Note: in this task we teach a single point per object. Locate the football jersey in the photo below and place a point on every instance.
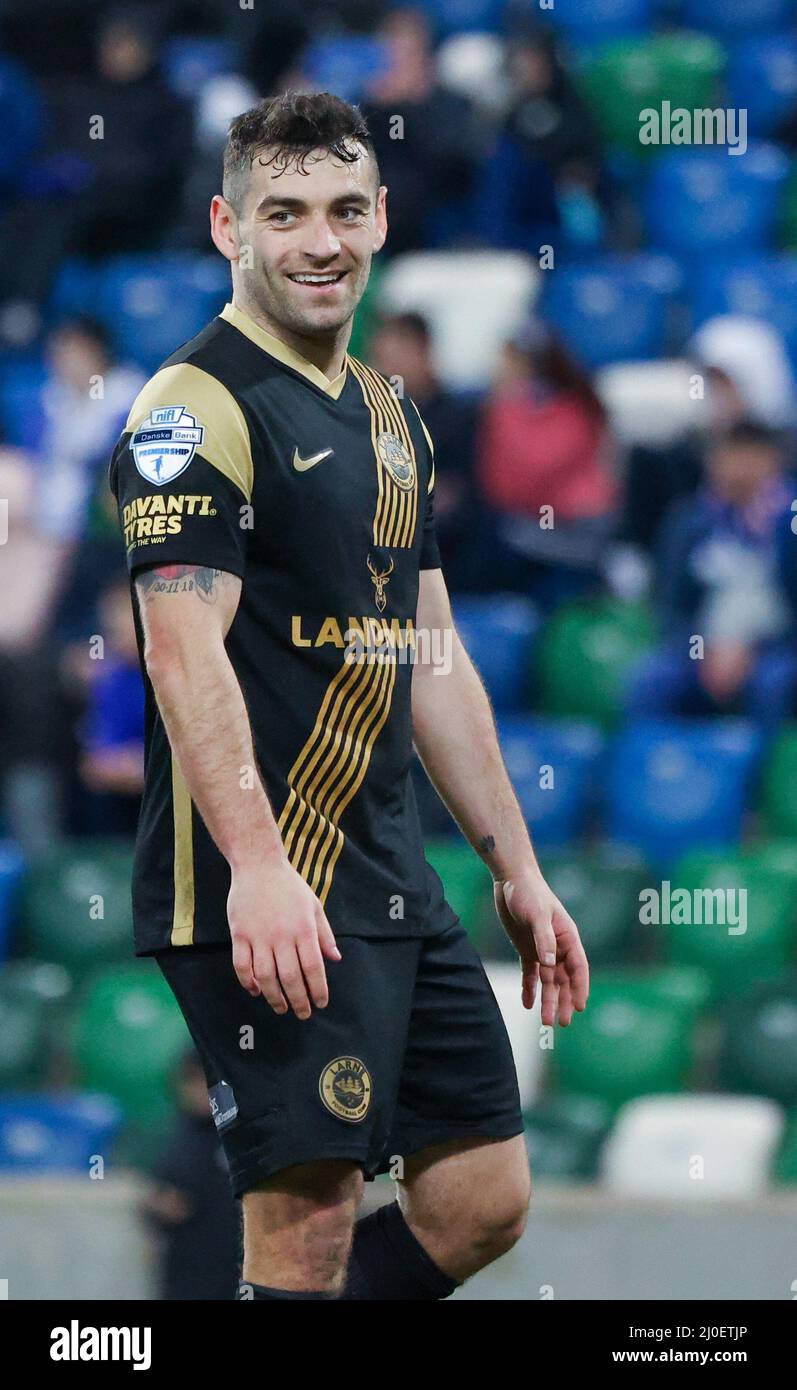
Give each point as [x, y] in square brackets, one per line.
[240, 455]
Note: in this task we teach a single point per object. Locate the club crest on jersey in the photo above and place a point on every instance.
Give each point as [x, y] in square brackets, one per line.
[396, 460]
[165, 443]
[345, 1088]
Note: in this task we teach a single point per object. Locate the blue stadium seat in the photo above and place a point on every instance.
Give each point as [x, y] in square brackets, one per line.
[732, 18]
[708, 201]
[345, 64]
[21, 123]
[21, 413]
[569, 754]
[595, 21]
[12, 867]
[498, 634]
[762, 287]
[39, 1132]
[674, 785]
[614, 308]
[153, 304]
[762, 80]
[462, 16]
[188, 61]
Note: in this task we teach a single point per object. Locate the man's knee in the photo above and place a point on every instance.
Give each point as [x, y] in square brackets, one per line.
[298, 1227]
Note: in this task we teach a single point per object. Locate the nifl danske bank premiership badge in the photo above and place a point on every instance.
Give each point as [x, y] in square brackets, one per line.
[165, 443]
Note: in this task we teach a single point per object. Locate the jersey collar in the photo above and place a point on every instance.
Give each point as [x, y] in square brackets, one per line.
[282, 352]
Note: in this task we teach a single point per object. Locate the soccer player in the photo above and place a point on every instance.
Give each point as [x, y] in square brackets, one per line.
[276, 497]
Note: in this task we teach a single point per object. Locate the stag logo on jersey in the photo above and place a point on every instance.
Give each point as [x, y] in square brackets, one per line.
[396, 460]
[379, 578]
[345, 1088]
[165, 443]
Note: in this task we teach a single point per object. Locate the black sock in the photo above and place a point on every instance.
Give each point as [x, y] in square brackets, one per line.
[255, 1292]
[387, 1262]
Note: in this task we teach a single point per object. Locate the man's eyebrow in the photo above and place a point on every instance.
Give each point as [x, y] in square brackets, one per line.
[278, 200]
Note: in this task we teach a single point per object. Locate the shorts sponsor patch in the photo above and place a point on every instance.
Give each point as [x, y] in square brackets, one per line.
[223, 1105]
[345, 1088]
[165, 443]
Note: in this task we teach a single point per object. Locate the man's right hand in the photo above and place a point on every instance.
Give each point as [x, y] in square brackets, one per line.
[280, 936]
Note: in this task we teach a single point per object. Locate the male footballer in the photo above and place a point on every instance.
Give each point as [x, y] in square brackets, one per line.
[276, 497]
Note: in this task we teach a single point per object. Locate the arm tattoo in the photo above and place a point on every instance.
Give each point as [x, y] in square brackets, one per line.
[487, 845]
[181, 579]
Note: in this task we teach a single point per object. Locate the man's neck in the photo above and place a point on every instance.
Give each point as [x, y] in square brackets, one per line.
[328, 354]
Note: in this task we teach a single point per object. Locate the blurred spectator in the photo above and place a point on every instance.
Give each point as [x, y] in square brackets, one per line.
[190, 1203]
[402, 347]
[544, 468]
[430, 159]
[85, 403]
[112, 737]
[718, 580]
[111, 188]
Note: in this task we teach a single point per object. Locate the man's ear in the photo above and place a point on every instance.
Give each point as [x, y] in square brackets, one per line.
[224, 227]
[380, 219]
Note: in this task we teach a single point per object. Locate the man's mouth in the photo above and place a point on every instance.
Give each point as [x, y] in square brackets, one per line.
[317, 279]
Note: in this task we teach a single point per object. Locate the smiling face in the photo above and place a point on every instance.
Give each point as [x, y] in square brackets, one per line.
[302, 240]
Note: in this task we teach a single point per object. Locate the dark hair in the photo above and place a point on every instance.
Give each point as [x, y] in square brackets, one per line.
[409, 322]
[291, 126]
[558, 368]
[746, 432]
[84, 326]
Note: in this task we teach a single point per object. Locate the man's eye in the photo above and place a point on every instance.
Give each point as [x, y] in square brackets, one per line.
[280, 217]
[350, 213]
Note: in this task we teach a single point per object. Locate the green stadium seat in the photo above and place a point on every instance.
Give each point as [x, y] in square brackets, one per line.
[77, 909]
[785, 1167]
[630, 1041]
[779, 800]
[625, 77]
[23, 1040]
[601, 891]
[763, 949]
[127, 1036]
[584, 655]
[564, 1135]
[758, 1049]
[468, 887]
[787, 230]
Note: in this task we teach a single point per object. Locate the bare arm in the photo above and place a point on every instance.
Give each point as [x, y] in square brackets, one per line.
[277, 924]
[457, 742]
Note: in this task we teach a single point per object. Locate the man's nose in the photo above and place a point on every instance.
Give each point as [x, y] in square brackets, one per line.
[320, 240]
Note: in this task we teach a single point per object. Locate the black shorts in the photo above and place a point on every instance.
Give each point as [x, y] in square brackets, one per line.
[410, 1051]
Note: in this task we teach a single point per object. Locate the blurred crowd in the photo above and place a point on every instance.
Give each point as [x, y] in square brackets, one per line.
[539, 491]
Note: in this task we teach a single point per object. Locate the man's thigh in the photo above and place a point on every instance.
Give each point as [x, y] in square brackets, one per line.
[288, 1092]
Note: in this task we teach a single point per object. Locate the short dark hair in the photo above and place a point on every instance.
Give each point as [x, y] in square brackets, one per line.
[292, 126]
[749, 432]
[409, 322]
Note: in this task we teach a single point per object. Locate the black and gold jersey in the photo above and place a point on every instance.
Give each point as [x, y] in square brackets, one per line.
[240, 455]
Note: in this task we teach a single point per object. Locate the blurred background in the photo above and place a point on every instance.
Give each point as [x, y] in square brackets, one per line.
[602, 337]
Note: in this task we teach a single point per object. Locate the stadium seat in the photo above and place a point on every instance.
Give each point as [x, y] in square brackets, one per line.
[623, 78]
[128, 1034]
[704, 202]
[474, 301]
[649, 402]
[12, 867]
[33, 1002]
[189, 61]
[76, 284]
[585, 22]
[760, 940]
[62, 1133]
[345, 64]
[628, 1042]
[76, 904]
[673, 784]
[614, 308]
[553, 765]
[153, 304]
[464, 16]
[697, 1147]
[564, 1135]
[22, 119]
[585, 651]
[760, 287]
[601, 893]
[467, 883]
[779, 791]
[758, 1051]
[785, 1166]
[734, 18]
[498, 633]
[21, 412]
[762, 80]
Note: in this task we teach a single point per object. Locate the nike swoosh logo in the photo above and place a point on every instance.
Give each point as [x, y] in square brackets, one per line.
[301, 465]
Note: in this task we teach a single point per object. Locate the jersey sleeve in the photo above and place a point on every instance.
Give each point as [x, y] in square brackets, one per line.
[430, 553]
[182, 474]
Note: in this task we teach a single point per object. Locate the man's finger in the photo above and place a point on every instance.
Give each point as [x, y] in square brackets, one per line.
[550, 996]
[326, 936]
[565, 1003]
[531, 975]
[266, 975]
[291, 979]
[242, 965]
[315, 975]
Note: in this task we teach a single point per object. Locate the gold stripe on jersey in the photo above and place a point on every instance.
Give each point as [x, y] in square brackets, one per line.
[332, 764]
[332, 386]
[182, 933]
[226, 443]
[396, 512]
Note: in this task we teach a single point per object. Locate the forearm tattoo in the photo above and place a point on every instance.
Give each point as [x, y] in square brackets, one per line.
[181, 579]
